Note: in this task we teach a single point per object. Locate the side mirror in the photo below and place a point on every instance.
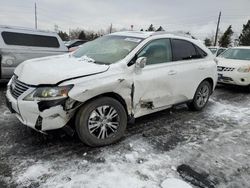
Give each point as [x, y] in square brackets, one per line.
[141, 62]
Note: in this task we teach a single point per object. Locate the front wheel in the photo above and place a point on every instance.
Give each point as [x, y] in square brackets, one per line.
[201, 96]
[101, 122]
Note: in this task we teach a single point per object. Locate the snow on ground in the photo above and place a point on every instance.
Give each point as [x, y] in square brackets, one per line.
[214, 143]
[174, 183]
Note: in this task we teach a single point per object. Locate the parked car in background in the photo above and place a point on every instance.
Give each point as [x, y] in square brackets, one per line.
[112, 80]
[75, 43]
[74, 48]
[216, 50]
[20, 44]
[234, 66]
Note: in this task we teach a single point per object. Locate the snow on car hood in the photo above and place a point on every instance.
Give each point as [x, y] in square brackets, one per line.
[234, 63]
[53, 69]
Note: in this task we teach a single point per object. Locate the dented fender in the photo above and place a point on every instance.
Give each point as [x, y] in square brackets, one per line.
[121, 86]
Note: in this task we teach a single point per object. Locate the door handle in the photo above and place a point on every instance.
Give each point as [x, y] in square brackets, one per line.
[172, 72]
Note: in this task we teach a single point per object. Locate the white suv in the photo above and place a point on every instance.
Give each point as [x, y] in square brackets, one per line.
[112, 80]
[234, 66]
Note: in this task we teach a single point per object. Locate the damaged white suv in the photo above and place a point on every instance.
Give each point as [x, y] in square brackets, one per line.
[112, 80]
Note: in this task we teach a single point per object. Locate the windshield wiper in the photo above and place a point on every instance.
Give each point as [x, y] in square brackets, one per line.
[88, 59]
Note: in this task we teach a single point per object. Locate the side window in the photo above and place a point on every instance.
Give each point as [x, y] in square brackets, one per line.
[23, 39]
[157, 51]
[184, 50]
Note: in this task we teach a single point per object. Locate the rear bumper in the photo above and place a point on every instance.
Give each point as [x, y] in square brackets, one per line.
[49, 117]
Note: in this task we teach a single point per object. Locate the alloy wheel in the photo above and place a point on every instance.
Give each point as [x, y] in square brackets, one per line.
[103, 122]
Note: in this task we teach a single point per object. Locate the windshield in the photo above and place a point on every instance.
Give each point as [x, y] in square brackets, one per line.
[236, 53]
[108, 49]
[213, 50]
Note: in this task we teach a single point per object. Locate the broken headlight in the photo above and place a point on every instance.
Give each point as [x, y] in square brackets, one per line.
[244, 69]
[49, 93]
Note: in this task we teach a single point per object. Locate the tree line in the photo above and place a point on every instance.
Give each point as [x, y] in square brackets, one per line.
[224, 41]
[226, 38]
[91, 35]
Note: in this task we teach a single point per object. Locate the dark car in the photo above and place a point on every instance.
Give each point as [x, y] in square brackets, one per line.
[75, 42]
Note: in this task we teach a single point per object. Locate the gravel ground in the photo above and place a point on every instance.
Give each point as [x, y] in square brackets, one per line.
[205, 149]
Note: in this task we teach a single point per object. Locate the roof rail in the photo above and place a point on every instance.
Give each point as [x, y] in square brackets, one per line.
[176, 33]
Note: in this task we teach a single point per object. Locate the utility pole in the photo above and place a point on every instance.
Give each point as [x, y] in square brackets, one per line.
[35, 17]
[110, 29]
[217, 30]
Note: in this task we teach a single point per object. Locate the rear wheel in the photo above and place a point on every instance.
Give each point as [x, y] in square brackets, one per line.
[201, 96]
[101, 122]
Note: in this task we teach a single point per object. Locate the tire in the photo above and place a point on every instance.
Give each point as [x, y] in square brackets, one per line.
[248, 88]
[201, 96]
[101, 122]
[0, 67]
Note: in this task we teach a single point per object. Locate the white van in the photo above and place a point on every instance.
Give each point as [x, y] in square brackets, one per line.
[20, 44]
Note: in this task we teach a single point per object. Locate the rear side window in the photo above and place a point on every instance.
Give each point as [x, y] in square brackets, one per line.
[184, 50]
[22, 39]
[200, 52]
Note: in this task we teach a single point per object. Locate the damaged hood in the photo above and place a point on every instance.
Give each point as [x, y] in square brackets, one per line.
[53, 69]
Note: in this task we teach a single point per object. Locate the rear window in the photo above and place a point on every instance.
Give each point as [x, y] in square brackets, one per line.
[22, 39]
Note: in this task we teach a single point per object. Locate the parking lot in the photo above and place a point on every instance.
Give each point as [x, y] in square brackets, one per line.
[206, 149]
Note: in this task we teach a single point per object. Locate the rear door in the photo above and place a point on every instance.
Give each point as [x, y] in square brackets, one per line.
[190, 68]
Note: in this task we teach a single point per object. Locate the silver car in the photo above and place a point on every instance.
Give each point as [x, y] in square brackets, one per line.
[20, 44]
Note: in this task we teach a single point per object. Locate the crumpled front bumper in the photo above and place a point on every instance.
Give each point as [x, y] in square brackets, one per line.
[235, 78]
[39, 115]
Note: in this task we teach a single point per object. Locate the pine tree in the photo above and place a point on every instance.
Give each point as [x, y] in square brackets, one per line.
[225, 39]
[208, 42]
[160, 29]
[82, 36]
[151, 28]
[244, 39]
[64, 36]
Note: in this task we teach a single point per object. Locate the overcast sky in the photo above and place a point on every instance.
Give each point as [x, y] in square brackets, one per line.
[196, 16]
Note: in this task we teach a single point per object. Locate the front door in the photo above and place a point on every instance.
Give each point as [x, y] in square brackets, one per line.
[153, 85]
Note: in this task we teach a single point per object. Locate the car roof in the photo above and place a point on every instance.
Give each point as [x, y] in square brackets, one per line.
[25, 29]
[137, 34]
[147, 34]
[242, 47]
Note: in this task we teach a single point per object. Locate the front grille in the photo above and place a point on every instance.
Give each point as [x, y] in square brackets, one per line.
[220, 69]
[17, 88]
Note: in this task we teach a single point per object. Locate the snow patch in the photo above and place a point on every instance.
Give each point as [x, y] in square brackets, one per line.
[174, 183]
[228, 111]
[34, 173]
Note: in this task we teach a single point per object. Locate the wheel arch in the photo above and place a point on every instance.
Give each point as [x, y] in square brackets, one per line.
[210, 80]
[113, 95]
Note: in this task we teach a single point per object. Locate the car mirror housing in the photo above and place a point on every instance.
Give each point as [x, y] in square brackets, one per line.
[141, 62]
